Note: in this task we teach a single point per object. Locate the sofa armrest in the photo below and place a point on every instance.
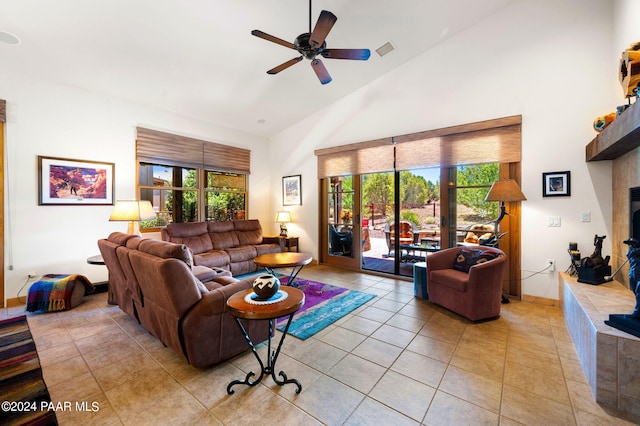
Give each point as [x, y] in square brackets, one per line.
[488, 271]
[275, 240]
[215, 301]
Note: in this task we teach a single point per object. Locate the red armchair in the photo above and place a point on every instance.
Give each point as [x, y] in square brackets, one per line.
[476, 294]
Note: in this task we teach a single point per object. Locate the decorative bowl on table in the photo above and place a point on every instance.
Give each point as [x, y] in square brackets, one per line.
[266, 286]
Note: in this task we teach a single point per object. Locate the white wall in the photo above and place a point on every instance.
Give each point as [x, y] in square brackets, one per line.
[550, 61]
[626, 26]
[60, 121]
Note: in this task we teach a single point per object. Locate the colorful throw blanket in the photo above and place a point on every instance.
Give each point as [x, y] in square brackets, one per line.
[53, 292]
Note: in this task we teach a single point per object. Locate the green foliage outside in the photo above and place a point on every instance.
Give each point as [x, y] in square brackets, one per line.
[477, 175]
[377, 188]
[411, 217]
[224, 206]
[347, 196]
[413, 189]
[408, 216]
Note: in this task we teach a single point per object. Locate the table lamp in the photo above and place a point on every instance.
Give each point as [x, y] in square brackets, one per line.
[283, 218]
[504, 190]
[132, 211]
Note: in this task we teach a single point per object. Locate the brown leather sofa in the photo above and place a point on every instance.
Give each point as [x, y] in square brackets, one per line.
[155, 283]
[475, 294]
[230, 245]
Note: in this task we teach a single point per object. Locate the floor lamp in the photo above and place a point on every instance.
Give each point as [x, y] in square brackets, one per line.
[503, 190]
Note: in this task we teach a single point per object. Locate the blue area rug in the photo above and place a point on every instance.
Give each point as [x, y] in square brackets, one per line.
[324, 305]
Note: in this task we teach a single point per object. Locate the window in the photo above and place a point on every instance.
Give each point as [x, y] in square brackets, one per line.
[177, 192]
[226, 196]
[467, 188]
[190, 180]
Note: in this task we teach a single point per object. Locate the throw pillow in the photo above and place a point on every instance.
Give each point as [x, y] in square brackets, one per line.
[471, 256]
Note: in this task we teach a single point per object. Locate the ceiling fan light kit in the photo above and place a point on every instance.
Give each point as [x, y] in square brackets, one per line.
[312, 44]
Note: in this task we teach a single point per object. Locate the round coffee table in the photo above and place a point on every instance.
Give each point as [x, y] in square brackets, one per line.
[295, 261]
[241, 306]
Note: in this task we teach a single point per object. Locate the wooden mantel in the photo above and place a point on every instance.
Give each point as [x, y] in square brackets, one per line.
[618, 138]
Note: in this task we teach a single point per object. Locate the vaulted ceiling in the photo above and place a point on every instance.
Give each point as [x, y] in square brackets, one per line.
[198, 57]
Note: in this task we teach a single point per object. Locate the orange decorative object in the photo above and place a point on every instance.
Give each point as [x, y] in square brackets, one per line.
[601, 122]
[629, 76]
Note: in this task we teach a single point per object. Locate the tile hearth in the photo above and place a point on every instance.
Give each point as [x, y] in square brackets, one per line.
[397, 360]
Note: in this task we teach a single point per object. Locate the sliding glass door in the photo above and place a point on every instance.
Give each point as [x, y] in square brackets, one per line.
[417, 193]
[340, 224]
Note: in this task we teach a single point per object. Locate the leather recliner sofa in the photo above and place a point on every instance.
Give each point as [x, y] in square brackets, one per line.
[155, 283]
[230, 245]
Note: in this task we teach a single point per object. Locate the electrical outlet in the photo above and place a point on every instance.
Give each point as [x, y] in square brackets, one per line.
[552, 265]
[32, 275]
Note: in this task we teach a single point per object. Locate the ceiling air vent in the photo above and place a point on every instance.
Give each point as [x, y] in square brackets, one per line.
[385, 48]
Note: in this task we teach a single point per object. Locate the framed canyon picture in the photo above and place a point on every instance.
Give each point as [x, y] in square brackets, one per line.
[64, 181]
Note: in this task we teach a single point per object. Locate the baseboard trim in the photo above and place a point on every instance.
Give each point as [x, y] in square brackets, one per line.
[16, 301]
[541, 301]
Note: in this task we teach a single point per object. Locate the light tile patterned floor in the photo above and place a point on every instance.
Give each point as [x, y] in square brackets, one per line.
[397, 360]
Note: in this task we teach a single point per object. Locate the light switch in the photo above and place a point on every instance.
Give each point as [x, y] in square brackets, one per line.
[554, 221]
[585, 216]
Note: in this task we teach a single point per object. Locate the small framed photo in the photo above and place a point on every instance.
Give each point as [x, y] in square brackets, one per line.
[556, 184]
[291, 190]
[63, 181]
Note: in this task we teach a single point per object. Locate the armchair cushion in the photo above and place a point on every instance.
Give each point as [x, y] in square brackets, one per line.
[471, 256]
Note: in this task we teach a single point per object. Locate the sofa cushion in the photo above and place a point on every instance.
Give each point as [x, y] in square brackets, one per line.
[267, 248]
[249, 232]
[167, 250]
[204, 273]
[203, 289]
[451, 278]
[213, 259]
[242, 253]
[192, 234]
[120, 238]
[222, 235]
[469, 257]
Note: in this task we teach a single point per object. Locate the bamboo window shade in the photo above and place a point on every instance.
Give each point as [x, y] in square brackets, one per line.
[492, 141]
[157, 147]
[3, 111]
[354, 159]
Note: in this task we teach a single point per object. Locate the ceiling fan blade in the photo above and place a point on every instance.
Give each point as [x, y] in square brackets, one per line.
[357, 54]
[321, 71]
[284, 65]
[322, 28]
[272, 39]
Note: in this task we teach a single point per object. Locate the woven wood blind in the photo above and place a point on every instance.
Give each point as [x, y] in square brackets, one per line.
[492, 141]
[359, 158]
[3, 111]
[225, 158]
[157, 147]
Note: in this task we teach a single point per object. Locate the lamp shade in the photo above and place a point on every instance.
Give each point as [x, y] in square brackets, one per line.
[283, 217]
[505, 190]
[128, 210]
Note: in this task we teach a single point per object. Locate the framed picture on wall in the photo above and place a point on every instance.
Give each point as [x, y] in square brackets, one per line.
[291, 190]
[63, 181]
[556, 184]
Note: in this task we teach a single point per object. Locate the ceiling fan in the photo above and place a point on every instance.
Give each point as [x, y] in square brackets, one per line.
[313, 44]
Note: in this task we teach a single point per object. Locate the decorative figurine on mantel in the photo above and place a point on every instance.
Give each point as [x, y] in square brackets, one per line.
[593, 269]
[630, 323]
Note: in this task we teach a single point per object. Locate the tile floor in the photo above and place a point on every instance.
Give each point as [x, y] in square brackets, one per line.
[397, 360]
